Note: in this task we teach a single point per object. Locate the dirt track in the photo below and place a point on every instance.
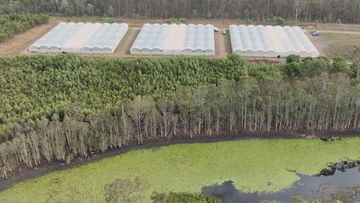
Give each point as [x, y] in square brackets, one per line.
[341, 32]
[22, 41]
[222, 44]
[124, 47]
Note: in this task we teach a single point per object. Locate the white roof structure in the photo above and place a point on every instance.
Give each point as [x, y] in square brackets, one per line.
[270, 41]
[174, 39]
[85, 38]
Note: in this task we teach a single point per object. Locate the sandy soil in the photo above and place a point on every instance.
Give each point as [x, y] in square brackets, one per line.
[22, 41]
[222, 43]
[124, 47]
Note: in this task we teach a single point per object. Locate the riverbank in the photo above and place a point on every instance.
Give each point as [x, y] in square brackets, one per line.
[24, 172]
[254, 165]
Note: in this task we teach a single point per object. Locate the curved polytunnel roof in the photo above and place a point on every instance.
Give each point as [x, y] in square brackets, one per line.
[82, 38]
[270, 41]
[151, 37]
[175, 39]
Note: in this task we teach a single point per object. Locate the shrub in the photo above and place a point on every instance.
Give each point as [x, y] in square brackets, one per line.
[15, 23]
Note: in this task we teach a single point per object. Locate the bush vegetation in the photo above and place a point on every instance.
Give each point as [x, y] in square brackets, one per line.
[125, 190]
[339, 11]
[62, 107]
[174, 197]
[15, 23]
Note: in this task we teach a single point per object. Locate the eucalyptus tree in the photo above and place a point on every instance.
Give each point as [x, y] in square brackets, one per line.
[81, 106]
[345, 11]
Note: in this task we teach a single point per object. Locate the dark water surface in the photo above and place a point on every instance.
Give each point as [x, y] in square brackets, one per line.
[306, 187]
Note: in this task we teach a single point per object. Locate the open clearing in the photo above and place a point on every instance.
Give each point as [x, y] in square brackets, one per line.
[335, 43]
[126, 42]
[336, 39]
[222, 43]
[335, 27]
[253, 165]
[20, 42]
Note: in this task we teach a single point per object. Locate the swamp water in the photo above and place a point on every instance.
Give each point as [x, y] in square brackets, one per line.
[339, 176]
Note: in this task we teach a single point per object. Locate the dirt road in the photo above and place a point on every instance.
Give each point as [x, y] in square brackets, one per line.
[340, 32]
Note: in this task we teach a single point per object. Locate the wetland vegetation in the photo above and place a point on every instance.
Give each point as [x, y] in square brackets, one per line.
[253, 165]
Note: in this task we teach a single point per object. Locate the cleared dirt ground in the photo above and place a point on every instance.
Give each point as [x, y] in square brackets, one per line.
[124, 47]
[336, 39]
[222, 43]
[20, 42]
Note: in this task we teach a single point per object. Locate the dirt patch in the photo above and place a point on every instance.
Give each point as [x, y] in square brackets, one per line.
[20, 42]
[124, 47]
[319, 44]
[222, 43]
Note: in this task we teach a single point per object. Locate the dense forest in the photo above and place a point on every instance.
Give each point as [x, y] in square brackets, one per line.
[15, 23]
[56, 108]
[347, 11]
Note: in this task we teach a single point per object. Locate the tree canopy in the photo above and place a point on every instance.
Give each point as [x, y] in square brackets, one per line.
[65, 106]
[340, 11]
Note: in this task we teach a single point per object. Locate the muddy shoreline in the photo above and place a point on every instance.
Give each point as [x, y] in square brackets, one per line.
[24, 173]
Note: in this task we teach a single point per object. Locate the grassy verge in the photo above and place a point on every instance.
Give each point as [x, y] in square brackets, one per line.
[253, 165]
[337, 44]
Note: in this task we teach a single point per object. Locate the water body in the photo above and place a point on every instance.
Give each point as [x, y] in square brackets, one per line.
[341, 177]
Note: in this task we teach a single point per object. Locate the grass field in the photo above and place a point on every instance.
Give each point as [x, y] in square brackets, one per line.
[253, 165]
[336, 43]
[335, 27]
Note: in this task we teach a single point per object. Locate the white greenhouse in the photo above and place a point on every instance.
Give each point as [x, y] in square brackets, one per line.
[174, 39]
[270, 41]
[84, 38]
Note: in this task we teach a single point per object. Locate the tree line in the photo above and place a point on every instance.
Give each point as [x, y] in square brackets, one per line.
[12, 24]
[347, 11]
[307, 95]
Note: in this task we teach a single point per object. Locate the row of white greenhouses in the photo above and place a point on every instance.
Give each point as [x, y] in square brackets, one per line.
[175, 39]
